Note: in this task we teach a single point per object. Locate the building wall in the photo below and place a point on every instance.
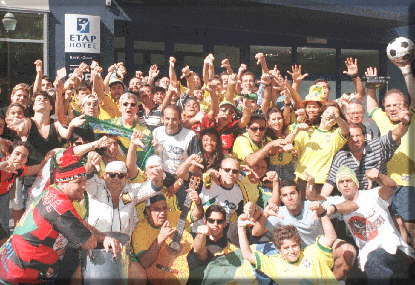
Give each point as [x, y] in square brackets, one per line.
[58, 9]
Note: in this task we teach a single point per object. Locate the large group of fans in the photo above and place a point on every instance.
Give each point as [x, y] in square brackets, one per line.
[197, 168]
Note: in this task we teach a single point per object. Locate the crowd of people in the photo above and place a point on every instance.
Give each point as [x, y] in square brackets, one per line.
[213, 176]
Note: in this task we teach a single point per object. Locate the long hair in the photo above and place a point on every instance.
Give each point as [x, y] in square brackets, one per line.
[218, 155]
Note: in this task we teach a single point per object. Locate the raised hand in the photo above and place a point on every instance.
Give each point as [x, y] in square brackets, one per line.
[194, 196]
[153, 72]
[77, 121]
[371, 71]
[165, 232]
[244, 221]
[104, 142]
[203, 229]
[172, 60]
[260, 57]
[271, 176]
[137, 138]
[296, 73]
[352, 67]
[38, 65]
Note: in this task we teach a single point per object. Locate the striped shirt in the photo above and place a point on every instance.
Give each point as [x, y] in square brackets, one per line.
[376, 154]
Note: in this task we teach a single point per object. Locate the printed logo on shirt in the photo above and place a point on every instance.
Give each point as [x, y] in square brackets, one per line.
[364, 229]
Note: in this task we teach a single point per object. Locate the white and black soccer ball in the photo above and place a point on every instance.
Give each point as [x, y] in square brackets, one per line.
[400, 50]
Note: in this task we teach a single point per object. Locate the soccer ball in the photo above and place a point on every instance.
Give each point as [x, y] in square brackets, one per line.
[400, 50]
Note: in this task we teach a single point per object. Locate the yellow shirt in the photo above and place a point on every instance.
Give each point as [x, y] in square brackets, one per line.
[108, 107]
[244, 146]
[125, 142]
[401, 167]
[313, 267]
[250, 191]
[316, 151]
[168, 267]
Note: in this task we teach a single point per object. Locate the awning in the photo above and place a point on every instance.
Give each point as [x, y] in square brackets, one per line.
[25, 5]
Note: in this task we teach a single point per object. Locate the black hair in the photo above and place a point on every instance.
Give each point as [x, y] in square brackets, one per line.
[218, 155]
[215, 208]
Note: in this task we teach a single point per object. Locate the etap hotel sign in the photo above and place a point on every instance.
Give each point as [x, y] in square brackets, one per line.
[82, 33]
[82, 40]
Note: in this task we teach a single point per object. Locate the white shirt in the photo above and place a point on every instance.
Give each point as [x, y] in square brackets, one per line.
[229, 199]
[372, 226]
[121, 218]
[174, 147]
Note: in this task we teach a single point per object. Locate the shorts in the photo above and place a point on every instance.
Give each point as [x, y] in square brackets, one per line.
[403, 203]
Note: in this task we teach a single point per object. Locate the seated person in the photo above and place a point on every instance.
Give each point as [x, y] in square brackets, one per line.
[309, 266]
[151, 243]
[214, 238]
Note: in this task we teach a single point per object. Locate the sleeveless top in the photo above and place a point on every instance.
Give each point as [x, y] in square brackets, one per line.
[39, 145]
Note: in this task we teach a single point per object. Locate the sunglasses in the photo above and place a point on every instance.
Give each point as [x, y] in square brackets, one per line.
[212, 221]
[119, 175]
[255, 129]
[234, 171]
[131, 104]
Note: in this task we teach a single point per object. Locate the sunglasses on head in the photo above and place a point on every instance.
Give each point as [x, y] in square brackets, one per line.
[212, 221]
[125, 104]
[255, 129]
[119, 175]
[234, 171]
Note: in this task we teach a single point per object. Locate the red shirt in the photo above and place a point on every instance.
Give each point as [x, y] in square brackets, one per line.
[7, 179]
[227, 134]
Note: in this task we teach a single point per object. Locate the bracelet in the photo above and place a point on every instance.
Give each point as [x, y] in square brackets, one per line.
[355, 76]
[335, 208]
[322, 214]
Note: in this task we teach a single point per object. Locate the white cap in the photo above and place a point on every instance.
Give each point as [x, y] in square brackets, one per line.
[153, 160]
[90, 97]
[116, 167]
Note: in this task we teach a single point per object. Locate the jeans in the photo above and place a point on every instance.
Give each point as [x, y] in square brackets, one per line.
[382, 267]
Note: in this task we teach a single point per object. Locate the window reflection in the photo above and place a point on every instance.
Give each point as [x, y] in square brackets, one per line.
[317, 61]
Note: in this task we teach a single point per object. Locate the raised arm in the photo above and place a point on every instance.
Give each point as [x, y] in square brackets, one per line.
[266, 103]
[131, 161]
[247, 254]
[388, 186]
[372, 102]
[199, 243]
[172, 72]
[329, 233]
[409, 79]
[260, 57]
[400, 130]
[297, 77]
[60, 97]
[37, 85]
[353, 72]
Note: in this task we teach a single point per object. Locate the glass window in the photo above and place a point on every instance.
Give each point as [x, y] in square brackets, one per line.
[22, 56]
[158, 59]
[138, 58]
[119, 42]
[120, 56]
[146, 45]
[232, 53]
[306, 84]
[365, 58]
[280, 56]
[317, 61]
[179, 47]
[29, 26]
[194, 62]
[347, 87]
